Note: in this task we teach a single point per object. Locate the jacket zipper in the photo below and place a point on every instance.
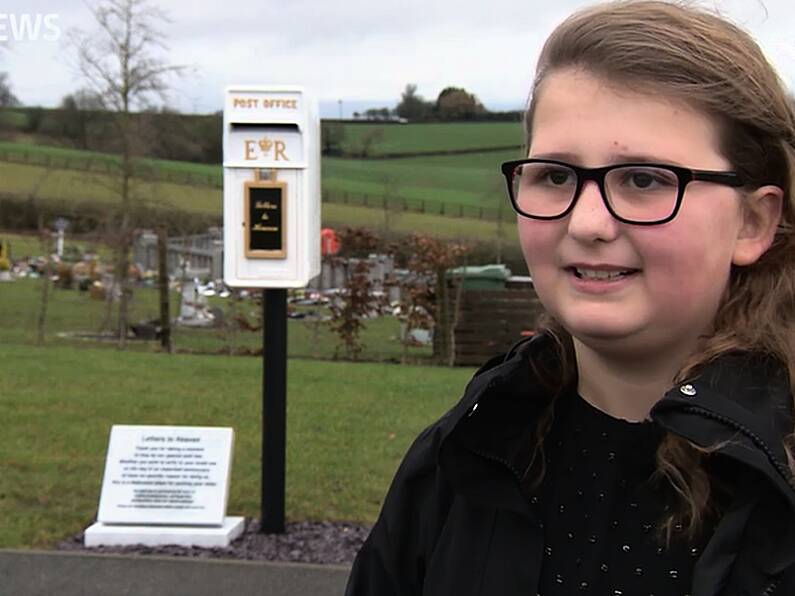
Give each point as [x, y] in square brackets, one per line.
[782, 468]
[770, 589]
[499, 460]
[487, 456]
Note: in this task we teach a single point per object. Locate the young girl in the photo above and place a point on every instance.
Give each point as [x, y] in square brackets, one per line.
[640, 443]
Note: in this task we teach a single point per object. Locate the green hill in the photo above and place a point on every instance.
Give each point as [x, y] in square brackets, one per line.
[467, 184]
[444, 194]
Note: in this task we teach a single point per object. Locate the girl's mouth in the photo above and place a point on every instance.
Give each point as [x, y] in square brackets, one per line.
[601, 274]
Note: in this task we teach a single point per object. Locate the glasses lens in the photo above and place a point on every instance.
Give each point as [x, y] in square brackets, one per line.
[543, 189]
[642, 193]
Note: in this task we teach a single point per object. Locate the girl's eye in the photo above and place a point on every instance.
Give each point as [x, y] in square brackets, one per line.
[647, 179]
[548, 175]
[545, 176]
[642, 180]
[559, 177]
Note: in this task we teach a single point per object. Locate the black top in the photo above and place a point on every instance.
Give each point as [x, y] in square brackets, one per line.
[456, 521]
[600, 510]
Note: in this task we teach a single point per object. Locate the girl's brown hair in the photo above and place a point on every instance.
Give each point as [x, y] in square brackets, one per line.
[688, 54]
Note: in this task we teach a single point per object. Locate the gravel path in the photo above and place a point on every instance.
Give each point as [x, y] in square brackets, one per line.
[302, 542]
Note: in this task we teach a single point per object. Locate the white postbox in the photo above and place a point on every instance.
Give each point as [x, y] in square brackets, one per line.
[271, 187]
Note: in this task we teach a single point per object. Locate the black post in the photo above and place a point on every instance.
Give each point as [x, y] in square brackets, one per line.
[274, 402]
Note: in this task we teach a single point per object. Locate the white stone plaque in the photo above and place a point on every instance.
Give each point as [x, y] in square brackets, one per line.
[166, 475]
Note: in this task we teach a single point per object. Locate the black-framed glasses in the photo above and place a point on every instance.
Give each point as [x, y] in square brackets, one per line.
[634, 193]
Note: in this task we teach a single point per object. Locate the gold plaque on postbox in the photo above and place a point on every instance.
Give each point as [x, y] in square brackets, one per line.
[265, 234]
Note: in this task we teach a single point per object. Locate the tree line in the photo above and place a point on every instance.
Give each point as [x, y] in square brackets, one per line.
[453, 104]
[80, 122]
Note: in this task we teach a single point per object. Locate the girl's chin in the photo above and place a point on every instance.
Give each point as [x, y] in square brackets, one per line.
[599, 330]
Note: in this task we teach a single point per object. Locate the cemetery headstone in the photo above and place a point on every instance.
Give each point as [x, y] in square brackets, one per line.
[194, 311]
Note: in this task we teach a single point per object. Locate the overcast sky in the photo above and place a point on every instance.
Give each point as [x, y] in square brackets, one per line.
[363, 52]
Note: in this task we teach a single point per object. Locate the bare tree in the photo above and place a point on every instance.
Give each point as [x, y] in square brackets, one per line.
[122, 62]
[46, 249]
[46, 246]
[7, 97]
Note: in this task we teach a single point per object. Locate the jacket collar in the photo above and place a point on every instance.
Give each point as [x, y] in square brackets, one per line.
[740, 399]
[743, 404]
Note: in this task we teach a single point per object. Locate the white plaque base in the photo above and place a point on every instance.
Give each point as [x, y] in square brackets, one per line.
[205, 537]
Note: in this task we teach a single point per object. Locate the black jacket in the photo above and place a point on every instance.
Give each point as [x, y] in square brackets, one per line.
[456, 522]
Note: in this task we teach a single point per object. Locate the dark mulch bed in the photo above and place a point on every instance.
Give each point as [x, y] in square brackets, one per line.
[302, 542]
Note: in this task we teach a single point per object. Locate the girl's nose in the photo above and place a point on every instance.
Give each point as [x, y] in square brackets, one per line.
[590, 221]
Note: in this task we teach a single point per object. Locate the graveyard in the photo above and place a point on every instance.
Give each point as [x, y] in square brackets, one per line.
[348, 422]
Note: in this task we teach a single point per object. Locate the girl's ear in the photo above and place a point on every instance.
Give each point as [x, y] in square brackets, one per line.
[761, 213]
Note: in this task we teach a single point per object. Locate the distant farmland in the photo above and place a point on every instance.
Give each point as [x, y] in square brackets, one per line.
[472, 179]
[433, 136]
[452, 194]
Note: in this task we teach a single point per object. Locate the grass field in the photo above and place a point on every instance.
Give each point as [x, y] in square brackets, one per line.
[469, 179]
[77, 186]
[347, 428]
[80, 159]
[29, 245]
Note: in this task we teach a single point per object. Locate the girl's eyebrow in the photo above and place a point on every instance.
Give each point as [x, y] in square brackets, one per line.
[613, 158]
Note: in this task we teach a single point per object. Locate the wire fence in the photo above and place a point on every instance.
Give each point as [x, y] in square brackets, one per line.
[415, 205]
[109, 165]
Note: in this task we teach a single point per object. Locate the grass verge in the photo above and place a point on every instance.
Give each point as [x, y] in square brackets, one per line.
[348, 426]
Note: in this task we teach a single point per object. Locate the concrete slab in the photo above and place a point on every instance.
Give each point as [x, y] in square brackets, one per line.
[44, 573]
[100, 534]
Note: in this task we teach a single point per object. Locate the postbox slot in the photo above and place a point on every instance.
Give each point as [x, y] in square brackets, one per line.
[262, 127]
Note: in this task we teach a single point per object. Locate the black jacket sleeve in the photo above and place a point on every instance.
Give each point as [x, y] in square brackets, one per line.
[393, 559]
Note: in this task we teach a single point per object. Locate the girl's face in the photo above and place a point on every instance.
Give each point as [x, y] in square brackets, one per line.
[681, 268]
